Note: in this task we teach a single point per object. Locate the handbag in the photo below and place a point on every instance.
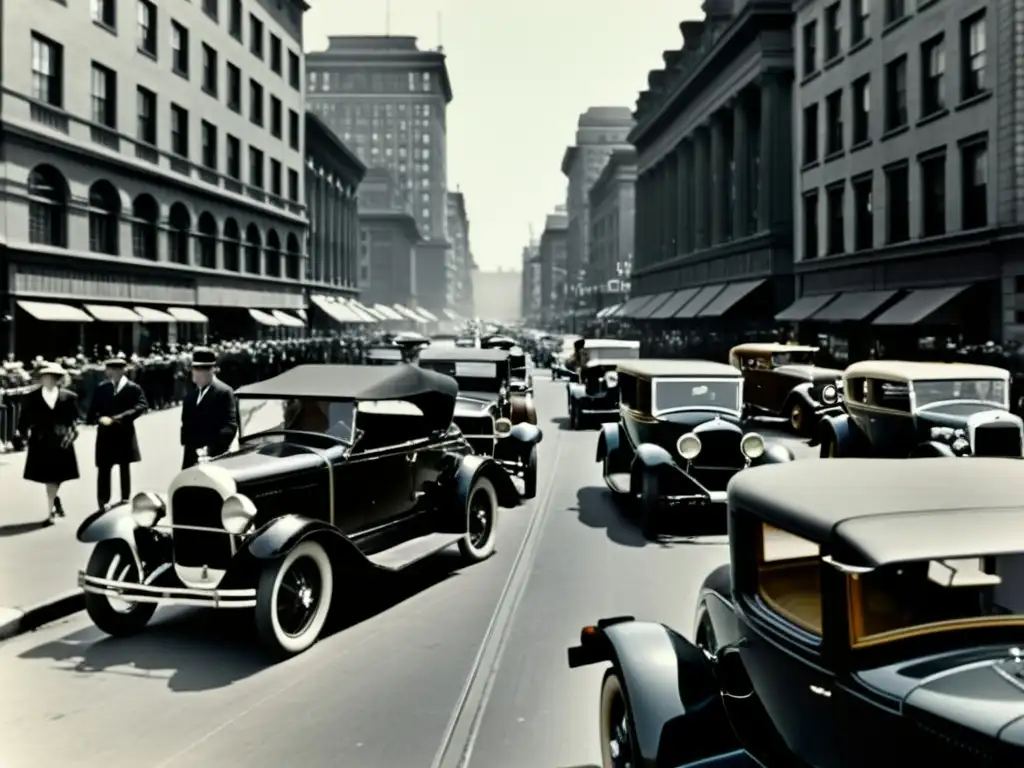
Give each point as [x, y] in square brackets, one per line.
[67, 435]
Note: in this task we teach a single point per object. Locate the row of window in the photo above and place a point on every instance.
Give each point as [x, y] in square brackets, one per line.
[363, 82]
[932, 194]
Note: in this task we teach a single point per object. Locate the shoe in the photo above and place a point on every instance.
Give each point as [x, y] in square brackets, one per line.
[58, 508]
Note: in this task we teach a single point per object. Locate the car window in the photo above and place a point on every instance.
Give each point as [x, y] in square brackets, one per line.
[792, 358]
[385, 423]
[856, 390]
[894, 395]
[643, 396]
[761, 364]
[697, 393]
[991, 391]
[789, 577]
[627, 390]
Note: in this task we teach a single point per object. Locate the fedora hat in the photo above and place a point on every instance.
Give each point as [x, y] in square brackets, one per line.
[204, 357]
[115, 362]
[51, 369]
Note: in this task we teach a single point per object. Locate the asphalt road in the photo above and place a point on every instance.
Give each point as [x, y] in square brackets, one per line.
[472, 659]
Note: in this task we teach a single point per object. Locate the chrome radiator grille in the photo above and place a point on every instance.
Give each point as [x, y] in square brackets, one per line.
[199, 507]
[999, 439]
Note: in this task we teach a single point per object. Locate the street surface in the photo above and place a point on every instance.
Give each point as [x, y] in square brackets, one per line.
[441, 664]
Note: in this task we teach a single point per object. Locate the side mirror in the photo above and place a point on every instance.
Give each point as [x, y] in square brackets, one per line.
[830, 394]
[731, 674]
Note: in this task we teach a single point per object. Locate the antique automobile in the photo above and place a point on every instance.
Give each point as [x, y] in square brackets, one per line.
[563, 356]
[592, 393]
[495, 421]
[782, 380]
[872, 617]
[897, 409]
[497, 341]
[679, 440]
[520, 372]
[366, 473]
[470, 341]
[384, 354]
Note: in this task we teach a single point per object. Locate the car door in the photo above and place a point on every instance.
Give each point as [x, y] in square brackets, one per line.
[382, 478]
[755, 374]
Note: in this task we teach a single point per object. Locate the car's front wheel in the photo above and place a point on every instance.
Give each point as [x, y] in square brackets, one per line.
[294, 597]
[530, 474]
[482, 518]
[113, 560]
[618, 734]
[797, 417]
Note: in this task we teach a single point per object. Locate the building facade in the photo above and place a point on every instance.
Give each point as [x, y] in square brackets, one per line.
[612, 211]
[460, 257]
[910, 168]
[532, 300]
[714, 194]
[497, 295]
[599, 132]
[553, 256]
[388, 242]
[387, 99]
[153, 158]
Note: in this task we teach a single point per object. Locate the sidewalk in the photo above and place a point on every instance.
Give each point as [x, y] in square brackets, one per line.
[39, 564]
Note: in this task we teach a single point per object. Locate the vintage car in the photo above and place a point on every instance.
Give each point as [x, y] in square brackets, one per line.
[467, 341]
[520, 372]
[496, 422]
[366, 472]
[872, 617]
[679, 440]
[897, 409]
[782, 380]
[563, 356]
[592, 393]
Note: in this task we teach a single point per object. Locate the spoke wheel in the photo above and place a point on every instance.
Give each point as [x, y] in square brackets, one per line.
[113, 560]
[797, 418]
[617, 732]
[294, 597]
[481, 522]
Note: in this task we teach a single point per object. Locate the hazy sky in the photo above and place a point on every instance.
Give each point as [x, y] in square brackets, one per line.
[521, 75]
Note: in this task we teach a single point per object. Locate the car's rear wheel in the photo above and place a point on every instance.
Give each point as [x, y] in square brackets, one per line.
[294, 597]
[530, 474]
[113, 560]
[648, 504]
[797, 417]
[482, 513]
[618, 734]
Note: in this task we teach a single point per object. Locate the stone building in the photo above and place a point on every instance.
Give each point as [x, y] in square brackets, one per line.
[460, 259]
[388, 241]
[553, 241]
[612, 206]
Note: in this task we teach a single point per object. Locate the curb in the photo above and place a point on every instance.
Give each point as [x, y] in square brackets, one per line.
[42, 613]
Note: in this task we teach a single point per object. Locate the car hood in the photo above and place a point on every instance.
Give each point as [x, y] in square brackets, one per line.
[688, 420]
[259, 461]
[474, 404]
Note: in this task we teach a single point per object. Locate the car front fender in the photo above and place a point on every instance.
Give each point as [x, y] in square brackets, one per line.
[473, 466]
[774, 453]
[114, 523]
[607, 440]
[280, 536]
[526, 433]
[575, 390]
[839, 427]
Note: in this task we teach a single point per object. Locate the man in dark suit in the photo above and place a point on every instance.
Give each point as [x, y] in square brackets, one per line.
[115, 405]
[209, 414]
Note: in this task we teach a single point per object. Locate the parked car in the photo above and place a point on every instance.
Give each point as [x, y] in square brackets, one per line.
[495, 421]
[782, 380]
[679, 439]
[900, 409]
[367, 471]
[592, 393]
[871, 616]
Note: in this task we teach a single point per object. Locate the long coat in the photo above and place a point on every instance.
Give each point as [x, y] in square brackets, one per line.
[117, 443]
[211, 424]
[51, 454]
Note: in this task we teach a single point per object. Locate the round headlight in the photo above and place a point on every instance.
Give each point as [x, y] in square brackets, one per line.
[147, 509]
[611, 378]
[237, 513]
[752, 446]
[830, 394]
[502, 427]
[689, 446]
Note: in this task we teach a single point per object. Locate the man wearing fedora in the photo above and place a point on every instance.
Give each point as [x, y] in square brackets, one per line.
[209, 413]
[115, 406]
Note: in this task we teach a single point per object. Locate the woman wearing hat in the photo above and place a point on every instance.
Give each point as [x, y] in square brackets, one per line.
[49, 420]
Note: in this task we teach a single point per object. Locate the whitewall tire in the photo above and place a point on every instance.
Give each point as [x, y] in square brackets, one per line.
[293, 598]
[482, 517]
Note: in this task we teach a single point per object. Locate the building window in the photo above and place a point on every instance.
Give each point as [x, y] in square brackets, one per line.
[146, 41]
[810, 154]
[275, 178]
[47, 207]
[210, 9]
[47, 71]
[895, 10]
[255, 36]
[146, 113]
[426, 82]
[255, 102]
[275, 54]
[897, 202]
[860, 22]
[255, 168]
[834, 112]
[233, 149]
[104, 96]
[863, 213]
[294, 70]
[974, 158]
[861, 103]
[811, 225]
[104, 219]
[810, 47]
[104, 12]
[179, 131]
[896, 94]
[234, 88]
[209, 70]
[179, 49]
[933, 195]
[974, 47]
[235, 20]
[293, 129]
[145, 218]
[179, 236]
[833, 31]
[293, 185]
[275, 117]
[209, 132]
[933, 76]
[836, 221]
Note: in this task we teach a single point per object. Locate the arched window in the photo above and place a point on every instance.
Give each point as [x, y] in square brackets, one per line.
[293, 259]
[272, 255]
[145, 215]
[232, 240]
[253, 245]
[104, 218]
[207, 241]
[179, 234]
[47, 206]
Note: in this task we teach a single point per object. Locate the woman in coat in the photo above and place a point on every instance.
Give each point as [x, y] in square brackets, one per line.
[49, 420]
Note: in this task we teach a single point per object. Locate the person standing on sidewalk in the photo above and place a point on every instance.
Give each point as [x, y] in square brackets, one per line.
[49, 420]
[115, 406]
[209, 414]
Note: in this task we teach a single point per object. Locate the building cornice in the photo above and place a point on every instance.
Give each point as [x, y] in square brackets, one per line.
[569, 158]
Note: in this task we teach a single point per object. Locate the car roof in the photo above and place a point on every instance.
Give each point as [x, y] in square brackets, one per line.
[770, 348]
[871, 512]
[654, 368]
[610, 344]
[355, 382]
[463, 355]
[606, 362]
[904, 370]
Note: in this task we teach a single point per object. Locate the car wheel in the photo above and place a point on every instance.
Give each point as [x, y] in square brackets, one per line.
[113, 560]
[530, 474]
[482, 510]
[649, 506]
[573, 419]
[618, 734]
[294, 597]
[797, 418]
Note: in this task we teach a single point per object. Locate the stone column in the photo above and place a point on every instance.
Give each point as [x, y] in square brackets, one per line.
[661, 206]
[719, 180]
[776, 205]
[355, 240]
[679, 157]
[702, 189]
[672, 198]
[640, 222]
[320, 240]
[741, 158]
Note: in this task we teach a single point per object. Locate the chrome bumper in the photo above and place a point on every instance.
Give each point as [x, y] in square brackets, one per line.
[600, 411]
[144, 593]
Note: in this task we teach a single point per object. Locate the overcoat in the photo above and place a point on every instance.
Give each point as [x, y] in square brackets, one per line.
[211, 424]
[117, 443]
[50, 436]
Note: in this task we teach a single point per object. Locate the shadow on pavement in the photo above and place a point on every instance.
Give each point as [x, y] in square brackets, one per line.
[19, 529]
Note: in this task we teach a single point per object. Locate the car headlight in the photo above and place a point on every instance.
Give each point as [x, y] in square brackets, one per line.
[237, 513]
[830, 394]
[612, 378]
[689, 446]
[147, 509]
[502, 427]
[752, 446]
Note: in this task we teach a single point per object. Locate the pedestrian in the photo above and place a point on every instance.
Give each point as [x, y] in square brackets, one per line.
[49, 420]
[209, 414]
[115, 406]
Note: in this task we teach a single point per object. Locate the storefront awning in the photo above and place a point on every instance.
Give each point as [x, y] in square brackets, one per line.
[302, 313]
[854, 306]
[607, 311]
[733, 294]
[108, 313]
[702, 299]
[804, 307]
[263, 318]
[150, 315]
[338, 311]
[918, 306]
[54, 313]
[288, 321]
[675, 302]
[187, 315]
[407, 313]
[430, 316]
[632, 305]
[451, 314]
[387, 312]
[364, 311]
[644, 313]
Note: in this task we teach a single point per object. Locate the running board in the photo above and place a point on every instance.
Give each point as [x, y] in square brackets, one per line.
[409, 552]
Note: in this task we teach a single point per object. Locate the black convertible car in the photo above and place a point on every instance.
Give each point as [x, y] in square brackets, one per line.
[367, 471]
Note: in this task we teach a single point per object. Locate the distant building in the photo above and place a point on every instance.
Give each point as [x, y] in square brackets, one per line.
[531, 298]
[460, 258]
[612, 204]
[553, 241]
[496, 295]
[388, 241]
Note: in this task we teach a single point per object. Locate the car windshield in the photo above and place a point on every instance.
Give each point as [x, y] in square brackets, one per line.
[804, 357]
[305, 414]
[992, 391]
[471, 376]
[720, 394]
[612, 353]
